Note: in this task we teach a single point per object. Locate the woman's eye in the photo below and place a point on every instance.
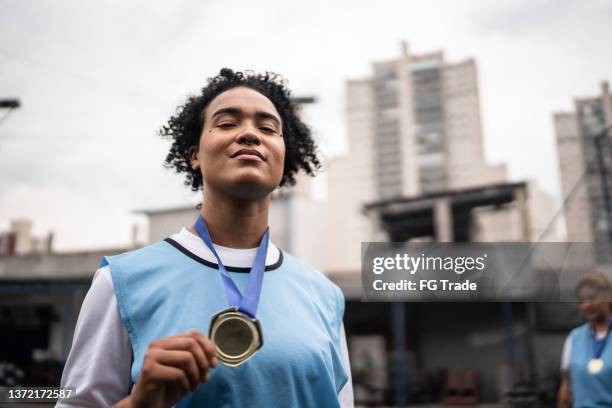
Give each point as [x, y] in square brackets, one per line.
[225, 125]
[267, 129]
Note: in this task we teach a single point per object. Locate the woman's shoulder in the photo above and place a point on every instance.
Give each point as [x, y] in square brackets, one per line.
[157, 248]
[579, 329]
[155, 256]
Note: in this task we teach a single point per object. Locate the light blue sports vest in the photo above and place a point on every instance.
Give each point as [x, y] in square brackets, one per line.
[590, 391]
[163, 290]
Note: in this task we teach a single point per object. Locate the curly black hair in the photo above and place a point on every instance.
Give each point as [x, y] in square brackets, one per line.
[185, 127]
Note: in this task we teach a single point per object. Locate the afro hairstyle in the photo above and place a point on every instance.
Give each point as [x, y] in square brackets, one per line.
[184, 128]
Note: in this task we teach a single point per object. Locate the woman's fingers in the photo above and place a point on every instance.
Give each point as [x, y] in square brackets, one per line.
[172, 367]
[183, 360]
[197, 344]
[171, 377]
[207, 345]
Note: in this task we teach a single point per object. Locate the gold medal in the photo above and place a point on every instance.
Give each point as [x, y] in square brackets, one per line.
[595, 365]
[236, 336]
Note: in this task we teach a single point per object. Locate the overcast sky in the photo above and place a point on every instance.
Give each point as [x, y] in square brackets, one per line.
[97, 79]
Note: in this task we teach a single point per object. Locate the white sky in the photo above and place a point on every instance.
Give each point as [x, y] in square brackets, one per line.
[97, 79]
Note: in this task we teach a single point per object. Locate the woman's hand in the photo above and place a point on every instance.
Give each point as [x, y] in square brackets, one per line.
[172, 368]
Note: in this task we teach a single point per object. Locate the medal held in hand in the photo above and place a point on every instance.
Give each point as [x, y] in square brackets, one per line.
[235, 331]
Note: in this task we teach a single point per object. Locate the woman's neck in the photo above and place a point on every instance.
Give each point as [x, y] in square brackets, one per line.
[235, 223]
[602, 324]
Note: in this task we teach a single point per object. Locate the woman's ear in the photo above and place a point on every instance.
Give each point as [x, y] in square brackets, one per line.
[193, 157]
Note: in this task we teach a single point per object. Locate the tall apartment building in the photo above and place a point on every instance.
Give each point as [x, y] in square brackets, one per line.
[581, 181]
[414, 127]
[426, 125]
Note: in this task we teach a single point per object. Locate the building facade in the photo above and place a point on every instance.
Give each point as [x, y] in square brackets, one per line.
[585, 159]
[414, 128]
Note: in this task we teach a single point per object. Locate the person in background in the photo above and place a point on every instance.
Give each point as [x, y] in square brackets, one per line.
[586, 364]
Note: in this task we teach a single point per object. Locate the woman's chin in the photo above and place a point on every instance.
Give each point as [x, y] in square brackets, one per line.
[249, 187]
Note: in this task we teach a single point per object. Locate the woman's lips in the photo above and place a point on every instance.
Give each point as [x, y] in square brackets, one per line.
[248, 156]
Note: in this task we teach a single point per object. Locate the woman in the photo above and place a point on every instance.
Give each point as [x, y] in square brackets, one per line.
[586, 364]
[237, 141]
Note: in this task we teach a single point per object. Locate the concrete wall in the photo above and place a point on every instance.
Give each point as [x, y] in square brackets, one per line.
[503, 224]
[466, 165]
[577, 205]
[351, 183]
[79, 265]
[162, 224]
[408, 143]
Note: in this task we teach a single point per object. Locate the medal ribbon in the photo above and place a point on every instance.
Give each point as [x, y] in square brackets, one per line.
[599, 345]
[247, 303]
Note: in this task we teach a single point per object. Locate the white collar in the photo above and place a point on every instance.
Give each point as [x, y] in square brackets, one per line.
[231, 257]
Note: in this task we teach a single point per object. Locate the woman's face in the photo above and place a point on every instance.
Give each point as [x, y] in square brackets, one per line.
[241, 150]
[592, 303]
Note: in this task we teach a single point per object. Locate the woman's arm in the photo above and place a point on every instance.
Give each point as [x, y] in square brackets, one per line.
[346, 396]
[100, 360]
[564, 396]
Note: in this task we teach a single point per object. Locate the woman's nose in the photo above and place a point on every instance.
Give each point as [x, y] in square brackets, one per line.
[249, 137]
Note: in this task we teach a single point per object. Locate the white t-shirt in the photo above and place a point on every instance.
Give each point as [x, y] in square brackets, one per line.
[100, 359]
